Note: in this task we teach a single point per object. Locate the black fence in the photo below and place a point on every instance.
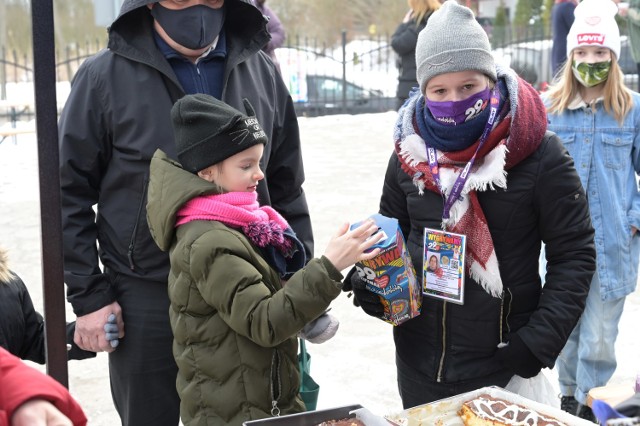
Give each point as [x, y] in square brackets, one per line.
[356, 76]
[15, 68]
[16, 79]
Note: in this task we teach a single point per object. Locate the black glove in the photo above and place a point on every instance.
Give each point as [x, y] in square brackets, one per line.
[517, 358]
[367, 300]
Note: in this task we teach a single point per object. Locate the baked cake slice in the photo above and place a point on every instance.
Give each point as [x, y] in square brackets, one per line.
[342, 422]
[485, 410]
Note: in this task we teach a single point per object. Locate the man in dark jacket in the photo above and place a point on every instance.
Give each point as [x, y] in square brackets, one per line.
[116, 116]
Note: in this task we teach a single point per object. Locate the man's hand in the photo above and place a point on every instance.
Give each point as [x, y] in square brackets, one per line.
[39, 412]
[90, 332]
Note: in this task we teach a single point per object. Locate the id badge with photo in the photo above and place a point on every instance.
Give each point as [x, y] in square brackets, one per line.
[443, 265]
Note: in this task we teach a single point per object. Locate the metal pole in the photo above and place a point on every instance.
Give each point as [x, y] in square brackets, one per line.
[50, 218]
[344, 71]
[3, 43]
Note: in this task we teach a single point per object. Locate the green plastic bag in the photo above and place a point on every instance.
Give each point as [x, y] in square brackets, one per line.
[309, 389]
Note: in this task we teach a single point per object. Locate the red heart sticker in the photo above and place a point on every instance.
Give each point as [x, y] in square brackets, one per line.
[381, 282]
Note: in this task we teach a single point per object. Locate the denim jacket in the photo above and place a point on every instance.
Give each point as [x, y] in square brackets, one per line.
[607, 158]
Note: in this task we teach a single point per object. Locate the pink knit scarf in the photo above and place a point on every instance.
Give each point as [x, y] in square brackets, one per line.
[262, 225]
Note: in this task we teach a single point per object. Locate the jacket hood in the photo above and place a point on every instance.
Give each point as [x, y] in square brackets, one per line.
[129, 5]
[132, 5]
[170, 186]
[131, 34]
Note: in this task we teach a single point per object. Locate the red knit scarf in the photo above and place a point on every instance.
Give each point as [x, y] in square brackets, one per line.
[512, 139]
[262, 225]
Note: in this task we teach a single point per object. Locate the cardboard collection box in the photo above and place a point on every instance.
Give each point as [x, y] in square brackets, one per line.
[391, 274]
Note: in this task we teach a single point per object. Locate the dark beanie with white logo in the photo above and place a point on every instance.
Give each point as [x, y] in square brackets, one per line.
[208, 131]
[452, 41]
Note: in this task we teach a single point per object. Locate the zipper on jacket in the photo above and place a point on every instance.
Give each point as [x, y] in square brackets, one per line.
[503, 319]
[444, 342]
[506, 320]
[132, 243]
[276, 381]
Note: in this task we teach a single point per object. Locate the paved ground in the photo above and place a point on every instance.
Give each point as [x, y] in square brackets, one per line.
[345, 159]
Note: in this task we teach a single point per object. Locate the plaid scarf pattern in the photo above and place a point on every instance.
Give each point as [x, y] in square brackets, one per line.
[515, 136]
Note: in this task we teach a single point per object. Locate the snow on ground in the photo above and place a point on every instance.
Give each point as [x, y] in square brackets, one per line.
[345, 159]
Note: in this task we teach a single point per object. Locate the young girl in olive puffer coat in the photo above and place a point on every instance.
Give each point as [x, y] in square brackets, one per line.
[234, 320]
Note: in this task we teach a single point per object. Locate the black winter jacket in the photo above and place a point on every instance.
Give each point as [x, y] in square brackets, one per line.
[403, 42]
[21, 326]
[118, 114]
[544, 200]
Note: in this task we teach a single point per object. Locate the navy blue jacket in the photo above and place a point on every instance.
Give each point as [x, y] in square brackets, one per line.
[561, 21]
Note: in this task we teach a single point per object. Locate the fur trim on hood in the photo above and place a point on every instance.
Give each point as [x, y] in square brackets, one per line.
[5, 274]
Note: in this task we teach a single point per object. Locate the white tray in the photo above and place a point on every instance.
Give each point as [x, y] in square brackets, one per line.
[445, 411]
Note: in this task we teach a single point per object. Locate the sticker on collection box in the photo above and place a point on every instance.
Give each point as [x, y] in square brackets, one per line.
[443, 265]
[391, 274]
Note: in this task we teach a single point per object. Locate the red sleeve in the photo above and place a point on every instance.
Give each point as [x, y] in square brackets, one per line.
[21, 383]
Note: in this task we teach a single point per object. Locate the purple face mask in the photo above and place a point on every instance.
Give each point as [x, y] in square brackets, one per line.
[453, 113]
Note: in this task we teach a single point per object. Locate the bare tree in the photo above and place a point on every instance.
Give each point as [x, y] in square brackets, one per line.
[325, 20]
[321, 21]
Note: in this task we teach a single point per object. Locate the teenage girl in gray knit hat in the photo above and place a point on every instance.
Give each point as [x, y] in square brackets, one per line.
[472, 156]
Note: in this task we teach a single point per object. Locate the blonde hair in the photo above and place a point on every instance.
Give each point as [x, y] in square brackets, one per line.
[5, 274]
[617, 97]
[422, 8]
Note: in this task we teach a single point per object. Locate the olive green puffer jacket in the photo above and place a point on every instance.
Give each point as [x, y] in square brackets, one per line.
[234, 323]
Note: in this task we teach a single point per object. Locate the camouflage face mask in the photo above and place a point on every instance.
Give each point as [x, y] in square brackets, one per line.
[591, 74]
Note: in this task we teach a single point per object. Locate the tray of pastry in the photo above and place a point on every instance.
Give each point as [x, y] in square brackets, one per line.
[481, 405]
[310, 418]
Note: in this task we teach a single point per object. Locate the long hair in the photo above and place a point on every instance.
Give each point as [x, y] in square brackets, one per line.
[422, 9]
[565, 88]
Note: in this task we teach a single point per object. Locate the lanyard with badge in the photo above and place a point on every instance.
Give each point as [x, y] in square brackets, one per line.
[445, 252]
[456, 190]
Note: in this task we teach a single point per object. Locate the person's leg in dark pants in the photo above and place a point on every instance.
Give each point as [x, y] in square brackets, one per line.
[638, 83]
[142, 369]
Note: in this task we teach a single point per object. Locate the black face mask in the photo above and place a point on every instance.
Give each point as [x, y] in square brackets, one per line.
[194, 27]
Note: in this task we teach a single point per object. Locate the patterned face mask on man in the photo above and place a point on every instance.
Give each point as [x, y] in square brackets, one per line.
[590, 75]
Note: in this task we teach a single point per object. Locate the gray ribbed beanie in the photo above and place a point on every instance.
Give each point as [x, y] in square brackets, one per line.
[452, 41]
[208, 131]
